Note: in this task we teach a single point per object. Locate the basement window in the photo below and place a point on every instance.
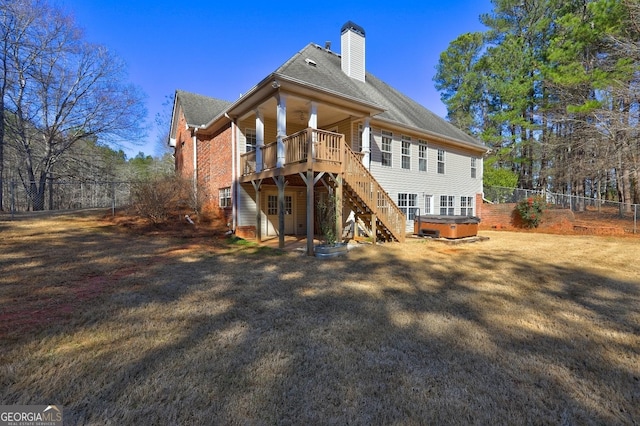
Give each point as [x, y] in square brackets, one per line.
[225, 197]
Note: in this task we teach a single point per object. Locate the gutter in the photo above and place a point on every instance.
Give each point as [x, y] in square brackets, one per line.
[439, 137]
[234, 180]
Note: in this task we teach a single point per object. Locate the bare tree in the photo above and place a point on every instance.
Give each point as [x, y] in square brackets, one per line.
[16, 17]
[65, 90]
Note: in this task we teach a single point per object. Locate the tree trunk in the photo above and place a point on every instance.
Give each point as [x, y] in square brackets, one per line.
[1, 156]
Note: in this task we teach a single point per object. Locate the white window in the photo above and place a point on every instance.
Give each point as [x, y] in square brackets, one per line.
[385, 147]
[251, 140]
[447, 205]
[441, 161]
[225, 197]
[408, 203]
[473, 168]
[422, 156]
[428, 204]
[466, 206]
[406, 152]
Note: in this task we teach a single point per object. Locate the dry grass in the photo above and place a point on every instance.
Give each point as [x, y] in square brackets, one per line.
[121, 329]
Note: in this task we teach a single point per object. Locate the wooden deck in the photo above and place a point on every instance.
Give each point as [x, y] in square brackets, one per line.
[313, 153]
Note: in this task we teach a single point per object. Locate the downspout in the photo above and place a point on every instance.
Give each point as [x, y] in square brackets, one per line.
[195, 163]
[234, 180]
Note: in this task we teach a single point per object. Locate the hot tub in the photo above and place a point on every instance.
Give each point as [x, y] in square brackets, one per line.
[436, 226]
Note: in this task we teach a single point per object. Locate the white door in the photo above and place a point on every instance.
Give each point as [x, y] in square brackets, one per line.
[428, 204]
[272, 214]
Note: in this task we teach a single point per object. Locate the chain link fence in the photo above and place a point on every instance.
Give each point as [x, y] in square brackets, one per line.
[21, 196]
[597, 208]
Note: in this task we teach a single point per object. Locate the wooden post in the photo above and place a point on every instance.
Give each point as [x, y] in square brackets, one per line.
[256, 186]
[374, 228]
[310, 212]
[280, 184]
[339, 207]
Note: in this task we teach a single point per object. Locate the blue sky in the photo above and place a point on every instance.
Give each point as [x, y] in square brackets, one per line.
[223, 48]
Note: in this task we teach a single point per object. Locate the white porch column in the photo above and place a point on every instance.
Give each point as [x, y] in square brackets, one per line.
[281, 118]
[366, 143]
[259, 139]
[313, 115]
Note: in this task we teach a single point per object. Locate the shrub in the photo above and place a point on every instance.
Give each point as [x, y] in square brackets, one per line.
[156, 198]
[531, 210]
[326, 216]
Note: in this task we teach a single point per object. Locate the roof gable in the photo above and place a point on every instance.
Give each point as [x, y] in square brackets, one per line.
[199, 110]
[324, 71]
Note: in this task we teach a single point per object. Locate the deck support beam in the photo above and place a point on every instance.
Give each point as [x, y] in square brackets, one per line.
[339, 207]
[311, 181]
[280, 183]
[310, 212]
[256, 186]
[374, 228]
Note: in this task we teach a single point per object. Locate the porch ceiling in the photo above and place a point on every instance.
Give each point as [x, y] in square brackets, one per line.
[298, 112]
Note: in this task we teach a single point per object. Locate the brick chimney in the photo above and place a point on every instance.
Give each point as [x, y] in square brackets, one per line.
[352, 47]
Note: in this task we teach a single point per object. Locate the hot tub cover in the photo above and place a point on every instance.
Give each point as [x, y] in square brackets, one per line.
[432, 218]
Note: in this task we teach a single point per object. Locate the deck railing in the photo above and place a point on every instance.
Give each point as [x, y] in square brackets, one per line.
[324, 146]
[269, 156]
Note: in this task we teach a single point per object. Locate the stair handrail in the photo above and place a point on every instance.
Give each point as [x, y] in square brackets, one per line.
[388, 213]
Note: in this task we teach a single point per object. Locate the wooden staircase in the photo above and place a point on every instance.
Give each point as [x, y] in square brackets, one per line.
[369, 201]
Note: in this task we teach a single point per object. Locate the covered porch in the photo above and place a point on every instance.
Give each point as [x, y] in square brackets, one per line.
[318, 161]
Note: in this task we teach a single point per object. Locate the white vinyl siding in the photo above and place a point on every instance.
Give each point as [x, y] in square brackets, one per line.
[396, 180]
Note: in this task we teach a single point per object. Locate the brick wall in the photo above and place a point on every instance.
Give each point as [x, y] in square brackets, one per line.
[499, 216]
[505, 216]
[215, 165]
[214, 162]
[184, 150]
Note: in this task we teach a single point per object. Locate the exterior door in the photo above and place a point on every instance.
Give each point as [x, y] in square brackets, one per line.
[272, 214]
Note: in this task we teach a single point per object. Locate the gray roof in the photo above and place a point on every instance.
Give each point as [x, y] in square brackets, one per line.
[327, 74]
[198, 109]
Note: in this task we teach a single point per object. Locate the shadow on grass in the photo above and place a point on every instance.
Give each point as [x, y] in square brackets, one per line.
[192, 335]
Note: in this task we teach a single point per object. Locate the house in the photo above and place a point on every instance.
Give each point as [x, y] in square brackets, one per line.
[318, 126]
